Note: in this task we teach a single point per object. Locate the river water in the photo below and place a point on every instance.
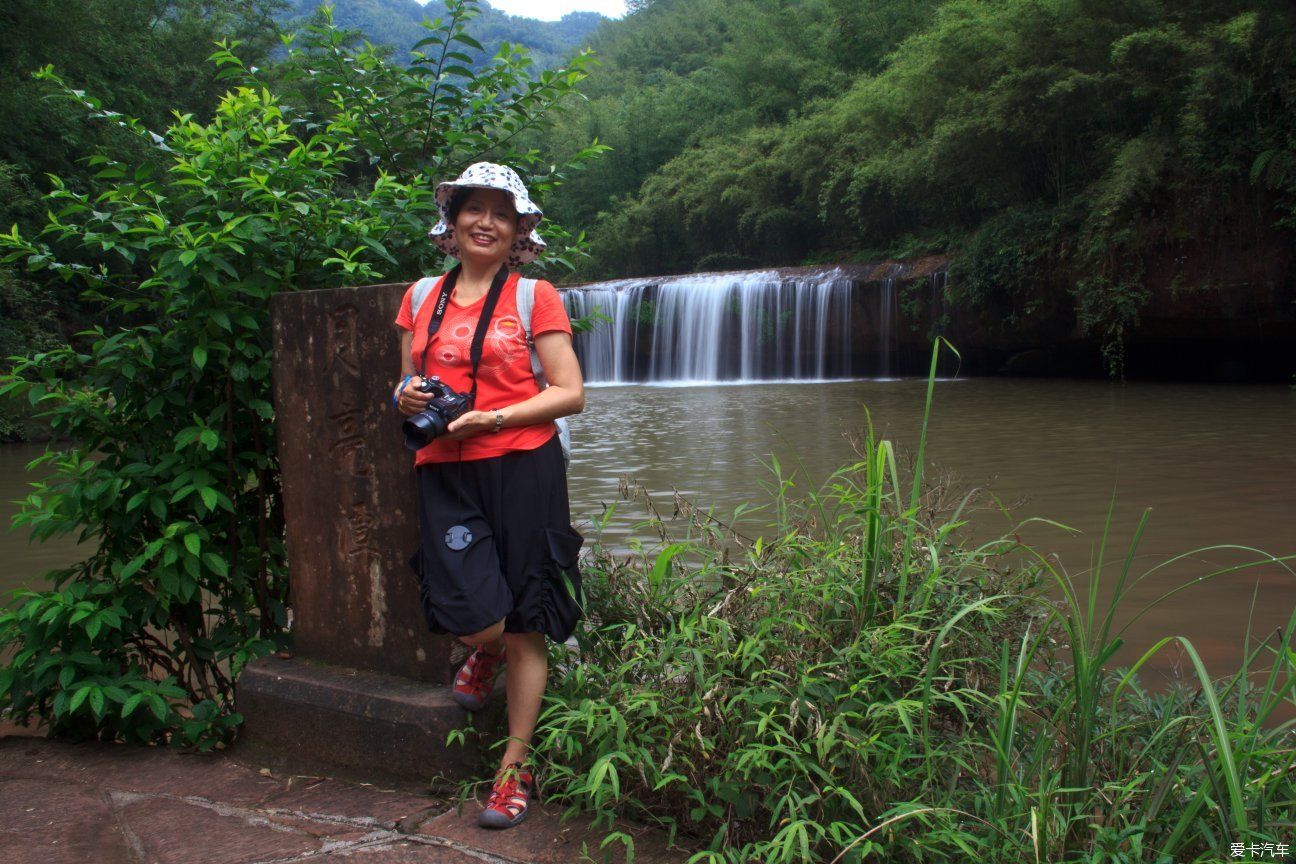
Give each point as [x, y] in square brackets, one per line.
[1217, 465]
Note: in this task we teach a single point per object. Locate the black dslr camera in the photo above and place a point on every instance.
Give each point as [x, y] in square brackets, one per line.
[447, 405]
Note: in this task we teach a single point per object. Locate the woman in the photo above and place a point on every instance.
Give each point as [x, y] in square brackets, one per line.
[497, 561]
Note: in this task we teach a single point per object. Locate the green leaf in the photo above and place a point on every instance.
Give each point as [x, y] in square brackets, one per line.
[131, 704]
[199, 356]
[193, 543]
[208, 495]
[158, 706]
[79, 696]
[467, 40]
[216, 564]
[97, 702]
[132, 567]
[169, 580]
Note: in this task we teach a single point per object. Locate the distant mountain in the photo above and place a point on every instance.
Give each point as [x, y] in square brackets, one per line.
[396, 23]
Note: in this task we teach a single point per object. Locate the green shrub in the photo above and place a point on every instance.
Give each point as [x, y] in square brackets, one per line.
[1000, 272]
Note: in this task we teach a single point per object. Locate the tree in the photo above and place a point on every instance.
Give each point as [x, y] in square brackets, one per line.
[145, 58]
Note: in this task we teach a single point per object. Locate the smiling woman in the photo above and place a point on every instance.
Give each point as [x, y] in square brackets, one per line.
[486, 222]
[487, 369]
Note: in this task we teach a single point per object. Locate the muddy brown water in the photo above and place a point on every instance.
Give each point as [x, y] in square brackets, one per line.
[1216, 464]
[23, 561]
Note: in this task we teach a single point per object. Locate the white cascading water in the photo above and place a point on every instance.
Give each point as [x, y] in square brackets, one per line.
[886, 323]
[936, 304]
[733, 327]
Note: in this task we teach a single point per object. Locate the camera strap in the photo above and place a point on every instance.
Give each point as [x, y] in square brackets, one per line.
[438, 312]
[483, 322]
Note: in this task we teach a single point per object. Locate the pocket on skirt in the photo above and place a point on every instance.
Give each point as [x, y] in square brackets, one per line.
[550, 600]
[462, 590]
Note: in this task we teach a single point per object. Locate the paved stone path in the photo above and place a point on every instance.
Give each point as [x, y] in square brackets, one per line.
[63, 803]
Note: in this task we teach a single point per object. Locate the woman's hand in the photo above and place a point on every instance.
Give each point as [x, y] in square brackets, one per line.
[470, 423]
[411, 400]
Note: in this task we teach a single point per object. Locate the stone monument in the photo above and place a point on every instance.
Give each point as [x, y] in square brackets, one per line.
[364, 694]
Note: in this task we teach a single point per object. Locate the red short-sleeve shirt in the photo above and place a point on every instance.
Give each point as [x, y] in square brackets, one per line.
[504, 375]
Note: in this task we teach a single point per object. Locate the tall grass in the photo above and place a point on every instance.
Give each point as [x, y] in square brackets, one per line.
[861, 682]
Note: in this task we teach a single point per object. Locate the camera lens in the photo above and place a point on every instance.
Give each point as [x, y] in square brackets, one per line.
[422, 427]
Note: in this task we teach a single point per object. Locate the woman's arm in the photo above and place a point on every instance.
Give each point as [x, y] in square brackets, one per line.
[565, 394]
[566, 391]
[409, 401]
[406, 343]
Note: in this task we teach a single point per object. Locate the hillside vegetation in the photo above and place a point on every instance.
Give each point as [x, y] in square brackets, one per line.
[397, 23]
[1066, 150]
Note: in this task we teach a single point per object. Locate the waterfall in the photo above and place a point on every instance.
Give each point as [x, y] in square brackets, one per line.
[730, 327]
[938, 280]
[886, 325]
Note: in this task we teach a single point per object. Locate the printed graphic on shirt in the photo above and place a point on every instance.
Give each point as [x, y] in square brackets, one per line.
[504, 342]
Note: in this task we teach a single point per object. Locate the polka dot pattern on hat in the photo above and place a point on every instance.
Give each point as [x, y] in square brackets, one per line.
[487, 175]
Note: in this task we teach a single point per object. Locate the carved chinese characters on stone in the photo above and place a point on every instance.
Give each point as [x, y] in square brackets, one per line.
[358, 543]
[343, 352]
[348, 449]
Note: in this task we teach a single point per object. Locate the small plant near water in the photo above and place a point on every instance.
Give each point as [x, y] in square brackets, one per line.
[865, 683]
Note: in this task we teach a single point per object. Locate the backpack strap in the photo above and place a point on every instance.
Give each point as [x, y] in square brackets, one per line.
[422, 288]
[525, 305]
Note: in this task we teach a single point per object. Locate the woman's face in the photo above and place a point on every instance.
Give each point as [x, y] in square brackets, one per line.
[486, 225]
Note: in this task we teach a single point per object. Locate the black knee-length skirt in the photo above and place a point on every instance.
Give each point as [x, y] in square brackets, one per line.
[496, 542]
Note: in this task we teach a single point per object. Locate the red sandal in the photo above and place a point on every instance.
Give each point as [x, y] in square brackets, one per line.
[476, 679]
[514, 788]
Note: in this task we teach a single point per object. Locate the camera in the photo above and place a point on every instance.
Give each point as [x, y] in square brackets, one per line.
[446, 405]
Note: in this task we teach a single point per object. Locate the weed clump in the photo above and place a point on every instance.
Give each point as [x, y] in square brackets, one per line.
[774, 697]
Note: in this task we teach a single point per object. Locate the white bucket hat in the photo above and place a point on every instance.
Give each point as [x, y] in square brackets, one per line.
[488, 175]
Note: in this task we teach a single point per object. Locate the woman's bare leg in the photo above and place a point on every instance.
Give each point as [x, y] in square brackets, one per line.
[525, 676]
[488, 638]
